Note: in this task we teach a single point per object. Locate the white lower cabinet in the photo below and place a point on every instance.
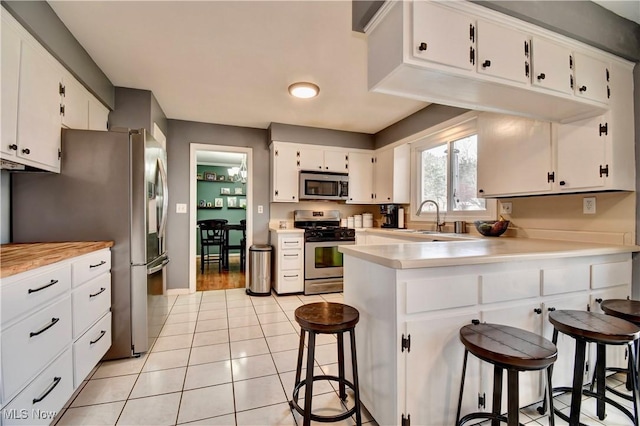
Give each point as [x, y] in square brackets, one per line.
[410, 321]
[54, 329]
[289, 262]
[42, 399]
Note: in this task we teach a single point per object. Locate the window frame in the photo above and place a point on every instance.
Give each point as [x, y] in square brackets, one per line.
[457, 130]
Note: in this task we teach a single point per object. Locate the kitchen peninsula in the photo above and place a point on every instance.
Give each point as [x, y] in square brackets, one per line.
[414, 297]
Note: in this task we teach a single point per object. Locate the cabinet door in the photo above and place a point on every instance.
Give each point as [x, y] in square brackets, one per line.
[434, 371]
[581, 152]
[592, 77]
[39, 108]
[514, 155]
[443, 35]
[527, 317]
[98, 115]
[360, 178]
[10, 80]
[563, 367]
[75, 101]
[552, 65]
[285, 173]
[311, 159]
[503, 52]
[383, 183]
[336, 161]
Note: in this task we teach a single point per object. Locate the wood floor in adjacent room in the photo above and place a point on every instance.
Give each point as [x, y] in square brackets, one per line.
[225, 280]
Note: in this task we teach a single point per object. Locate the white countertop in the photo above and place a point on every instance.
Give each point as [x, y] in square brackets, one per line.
[477, 251]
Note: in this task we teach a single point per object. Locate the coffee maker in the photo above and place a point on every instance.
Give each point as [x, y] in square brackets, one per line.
[390, 213]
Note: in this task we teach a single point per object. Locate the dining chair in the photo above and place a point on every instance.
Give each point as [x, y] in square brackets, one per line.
[243, 245]
[211, 235]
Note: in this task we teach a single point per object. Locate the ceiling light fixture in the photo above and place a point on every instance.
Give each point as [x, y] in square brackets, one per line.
[304, 90]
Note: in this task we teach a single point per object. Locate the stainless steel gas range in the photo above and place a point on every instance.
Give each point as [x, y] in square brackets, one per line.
[323, 269]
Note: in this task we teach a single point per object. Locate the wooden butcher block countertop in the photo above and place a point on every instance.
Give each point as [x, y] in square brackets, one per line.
[21, 257]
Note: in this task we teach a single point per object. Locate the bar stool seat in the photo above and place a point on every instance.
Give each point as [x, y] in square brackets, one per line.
[507, 348]
[590, 327]
[326, 318]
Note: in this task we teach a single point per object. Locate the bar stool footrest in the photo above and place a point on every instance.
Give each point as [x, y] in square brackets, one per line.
[487, 416]
[587, 392]
[315, 417]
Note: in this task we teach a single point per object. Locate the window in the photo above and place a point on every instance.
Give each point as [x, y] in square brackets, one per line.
[447, 164]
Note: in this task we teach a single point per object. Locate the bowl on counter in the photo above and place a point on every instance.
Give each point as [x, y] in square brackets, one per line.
[491, 228]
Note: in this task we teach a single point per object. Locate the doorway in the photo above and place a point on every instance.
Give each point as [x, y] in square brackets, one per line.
[220, 188]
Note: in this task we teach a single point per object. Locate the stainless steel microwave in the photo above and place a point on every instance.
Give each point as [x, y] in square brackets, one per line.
[323, 186]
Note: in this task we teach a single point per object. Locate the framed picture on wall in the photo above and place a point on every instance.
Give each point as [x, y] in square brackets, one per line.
[225, 191]
[220, 177]
[237, 191]
[209, 176]
[232, 202]
[218, 202]
[199, 176]
[243, 203]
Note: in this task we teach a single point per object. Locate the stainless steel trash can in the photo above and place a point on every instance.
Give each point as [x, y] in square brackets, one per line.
[260, 270]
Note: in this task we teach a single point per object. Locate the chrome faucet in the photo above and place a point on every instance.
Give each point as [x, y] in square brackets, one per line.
[438, 224]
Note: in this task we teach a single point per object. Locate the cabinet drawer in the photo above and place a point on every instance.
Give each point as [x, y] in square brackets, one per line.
[23, 295]
[90, 302]
[290, 282]
[565, 280]
[90, 266]
[90, 348]
[610, 274]
[290, 243]
[511, 285]
[427, 295]
[44, 397]
[33, 342]
[290, 260]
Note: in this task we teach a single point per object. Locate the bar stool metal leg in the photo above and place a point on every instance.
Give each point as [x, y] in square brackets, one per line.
[576, 395]
[513, 413]
[308, 391]
[497, 394]
[300, 355]
[343, 393]
[600, 378]
[464, 373]
[356, 385]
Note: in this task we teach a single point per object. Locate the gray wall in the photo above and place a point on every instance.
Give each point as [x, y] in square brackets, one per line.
[416, 122]
[636, 108]
[135, 108]
[315, 136]
[43, 23]
[5, 207]
[179, 137]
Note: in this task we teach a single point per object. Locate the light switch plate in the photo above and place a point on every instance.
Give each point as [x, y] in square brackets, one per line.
[181, 208]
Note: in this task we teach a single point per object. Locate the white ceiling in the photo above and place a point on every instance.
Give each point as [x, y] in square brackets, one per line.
[230, 62]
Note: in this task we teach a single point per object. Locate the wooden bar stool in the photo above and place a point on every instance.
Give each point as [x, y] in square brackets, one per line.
[511, 349]
[590, 327]
[326, 318]
[628, 310]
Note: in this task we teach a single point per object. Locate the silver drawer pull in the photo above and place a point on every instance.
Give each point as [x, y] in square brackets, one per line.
[291, 276]
[290, 255]
[102, 333]
[45, 328]
[99, 264]
[102, 289]
[33, 290]
[53, 385]
[290, 242]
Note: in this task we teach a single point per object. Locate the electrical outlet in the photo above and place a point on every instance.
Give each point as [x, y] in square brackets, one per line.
[589, 205]
[506, 208]
[181, 208]
[260, 209]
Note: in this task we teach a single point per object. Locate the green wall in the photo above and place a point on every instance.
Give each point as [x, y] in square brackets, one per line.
[208, 191]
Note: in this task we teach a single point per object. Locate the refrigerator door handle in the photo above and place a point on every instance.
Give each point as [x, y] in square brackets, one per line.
[165, 199]
[155, 269]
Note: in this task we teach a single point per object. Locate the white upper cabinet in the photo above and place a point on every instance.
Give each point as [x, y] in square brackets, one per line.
[391, 181]
[75, 103]
[325, 160]
[552, 65]
[443, 35]
[360, 178]
[465, 55]
[592, 78]
[503, 52]
[39, 109]
[10, 77]
[98, 115]
[514, 156]
[285, 164]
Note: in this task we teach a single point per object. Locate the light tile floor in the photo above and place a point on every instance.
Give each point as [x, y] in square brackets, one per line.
[224, 358]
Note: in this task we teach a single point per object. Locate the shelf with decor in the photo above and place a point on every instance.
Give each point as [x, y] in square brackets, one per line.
[209, 208]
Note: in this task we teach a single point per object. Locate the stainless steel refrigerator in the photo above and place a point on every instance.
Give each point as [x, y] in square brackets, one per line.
[112, 186]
